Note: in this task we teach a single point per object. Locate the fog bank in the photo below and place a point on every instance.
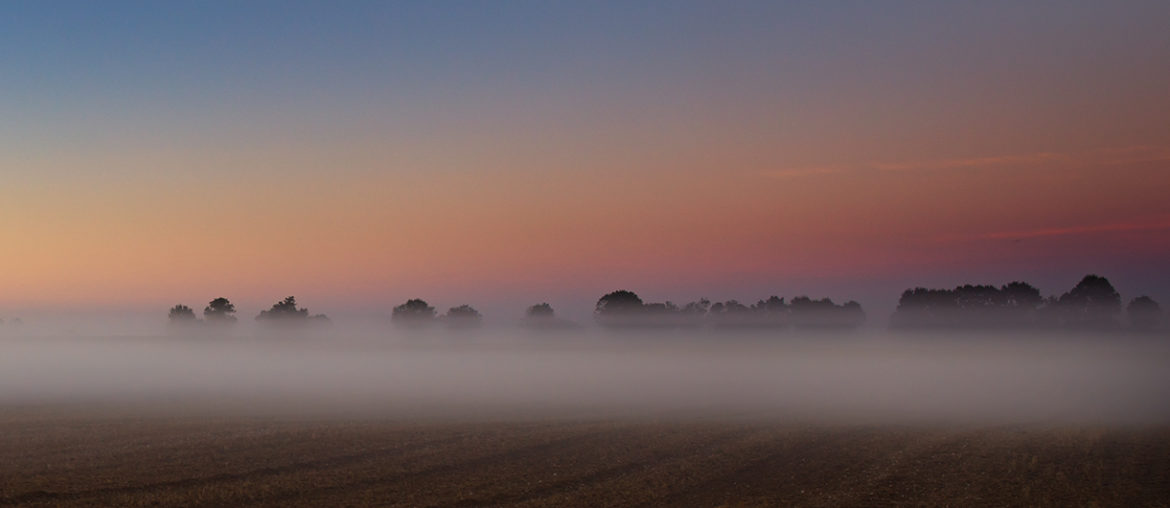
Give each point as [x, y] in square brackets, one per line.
[826, 377]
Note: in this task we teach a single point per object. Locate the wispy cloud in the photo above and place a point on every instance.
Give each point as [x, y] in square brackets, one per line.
[802, 172]
[975, 162]
[1099, 157]
[1076, 230]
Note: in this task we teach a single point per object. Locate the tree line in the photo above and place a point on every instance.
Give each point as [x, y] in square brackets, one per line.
[1093, 304]
[222, 311]
[620, 308]
[625, 308]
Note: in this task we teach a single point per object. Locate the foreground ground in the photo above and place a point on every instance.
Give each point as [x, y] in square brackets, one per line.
[56, 457]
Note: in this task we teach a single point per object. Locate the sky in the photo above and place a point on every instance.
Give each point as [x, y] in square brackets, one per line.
[356, 154]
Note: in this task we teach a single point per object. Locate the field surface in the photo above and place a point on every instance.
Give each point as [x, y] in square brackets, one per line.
[55, 457]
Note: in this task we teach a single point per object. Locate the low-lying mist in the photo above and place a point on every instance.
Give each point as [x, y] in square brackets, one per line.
[830, 377]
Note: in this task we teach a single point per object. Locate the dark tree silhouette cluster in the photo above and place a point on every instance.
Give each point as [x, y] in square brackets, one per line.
[417, 313]
[1092, 304]
[542, 317]
[463, 316]
[181, 315]
[624, 308]
[414, 313]
[540, 311]
[221, 312]
[1144, 314]
[286, 311]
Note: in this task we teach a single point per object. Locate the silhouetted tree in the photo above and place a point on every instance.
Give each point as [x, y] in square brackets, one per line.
[1048, 314]
[773, 305]
[181, 314]
[1021, 295]
[286, 311]
[694, 313]
[659, 310]
[696, 309]
[852, 314]
[542, 317]
[463, 316]
[1019, 303]
[415, 312]
[969, 306]
[1144, 313]
[731, 314]
[1092, 303]
[808, 313]
[540, 311]
[220, 310]
[619, 303]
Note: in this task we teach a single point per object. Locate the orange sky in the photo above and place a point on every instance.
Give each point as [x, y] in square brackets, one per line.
[861, 157]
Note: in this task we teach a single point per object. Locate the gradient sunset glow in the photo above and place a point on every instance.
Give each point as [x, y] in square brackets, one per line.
[502, 154]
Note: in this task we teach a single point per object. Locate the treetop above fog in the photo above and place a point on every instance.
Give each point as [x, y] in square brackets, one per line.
[1091, 304]
[415, 311]
[625, 308]
[220, 310]
[286, 311]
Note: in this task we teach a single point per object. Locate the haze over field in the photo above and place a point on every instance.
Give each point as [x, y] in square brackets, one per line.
[514, 374]
[594, 253]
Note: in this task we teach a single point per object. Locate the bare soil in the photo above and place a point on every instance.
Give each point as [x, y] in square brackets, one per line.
[56, 457]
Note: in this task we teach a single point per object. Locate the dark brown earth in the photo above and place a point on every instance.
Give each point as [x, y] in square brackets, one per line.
[55, 457]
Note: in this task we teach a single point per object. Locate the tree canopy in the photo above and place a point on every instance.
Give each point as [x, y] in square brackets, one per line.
[540, 311]
[286, 311]
[1092, 304]
[463, 316]
[619, 303]
[625, 308]
[1144, 313]
[181, 314]
[415, 312]
[220, 310]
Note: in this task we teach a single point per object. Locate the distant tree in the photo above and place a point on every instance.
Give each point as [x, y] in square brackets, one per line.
[852, 314]
[1020, 295]
[619, 303]
[181, 314]
[773, 305]
[1144, 313]
[463, 316]
[659, 309]
[284, 310]
[823, 313]
[414, 312]
[922, 307]
[1092, 303]
[541, 317]
[731, 314]
[1048, 314]
[220, 310]
[540, 311]
[696, 309]
[734, 308]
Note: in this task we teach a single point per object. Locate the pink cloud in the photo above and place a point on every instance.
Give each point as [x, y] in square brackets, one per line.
[1076, 230]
